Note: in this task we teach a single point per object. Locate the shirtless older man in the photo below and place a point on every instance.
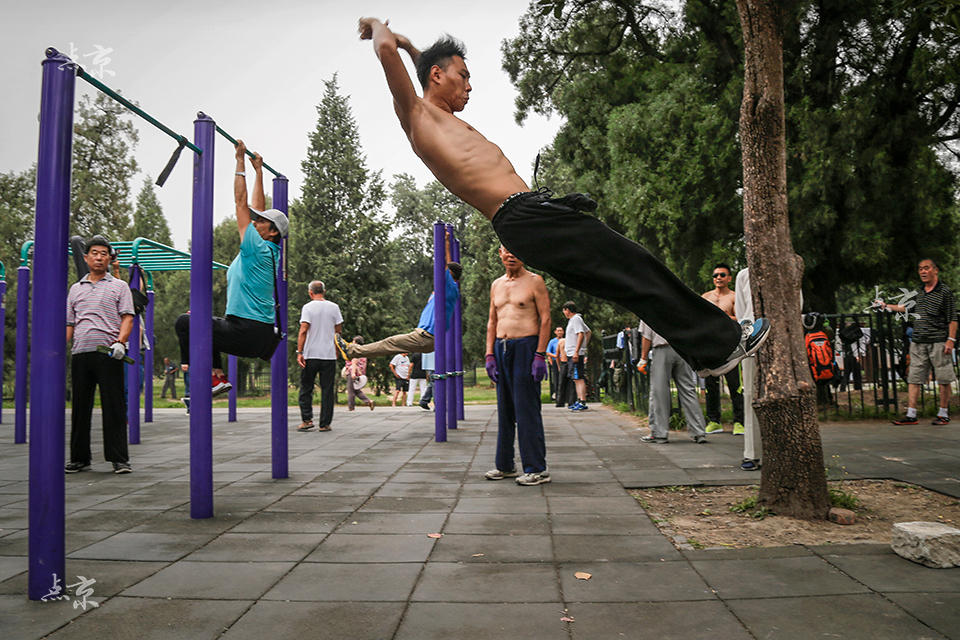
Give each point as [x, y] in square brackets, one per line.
[517, 333]
[724, 298]
[552, 234]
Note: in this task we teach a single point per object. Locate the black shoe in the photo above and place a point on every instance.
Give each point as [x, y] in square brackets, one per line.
[74, 467]
[121, 467]
[753, 335]
[652, 440]
[941, 420]
[750, 465]
[700, 439]
[905, 420]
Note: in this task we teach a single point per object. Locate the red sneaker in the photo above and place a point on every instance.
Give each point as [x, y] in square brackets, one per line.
[220, 385]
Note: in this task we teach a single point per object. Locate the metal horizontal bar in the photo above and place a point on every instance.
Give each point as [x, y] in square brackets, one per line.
[249, 153]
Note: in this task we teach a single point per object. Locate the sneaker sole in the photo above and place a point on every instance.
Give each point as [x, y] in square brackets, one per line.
[122, 471]
[220, 389]
[728, 366]
[542, 480]
[503, 477]
[76, 470]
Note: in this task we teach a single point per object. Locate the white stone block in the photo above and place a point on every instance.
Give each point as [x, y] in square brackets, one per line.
[932, 544]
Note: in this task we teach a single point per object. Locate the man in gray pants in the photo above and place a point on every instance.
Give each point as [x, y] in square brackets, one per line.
[664, 364]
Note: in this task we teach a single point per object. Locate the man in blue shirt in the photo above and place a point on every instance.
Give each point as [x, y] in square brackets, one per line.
[552, 367]
[248, 328]
[420, 340]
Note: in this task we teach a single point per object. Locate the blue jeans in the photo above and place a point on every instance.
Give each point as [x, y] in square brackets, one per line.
[518, 406]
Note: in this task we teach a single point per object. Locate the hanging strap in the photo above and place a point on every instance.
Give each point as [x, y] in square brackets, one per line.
[162, 178]
[277, 327]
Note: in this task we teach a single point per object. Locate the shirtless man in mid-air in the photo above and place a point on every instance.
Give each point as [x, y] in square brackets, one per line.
[517, 333]
[552, 234]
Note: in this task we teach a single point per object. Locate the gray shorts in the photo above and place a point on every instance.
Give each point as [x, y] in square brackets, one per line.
[928, 356]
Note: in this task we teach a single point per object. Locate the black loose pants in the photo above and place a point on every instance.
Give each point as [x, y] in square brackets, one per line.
[582, 252]
[326, 370]
[237, 336]
[87, 371]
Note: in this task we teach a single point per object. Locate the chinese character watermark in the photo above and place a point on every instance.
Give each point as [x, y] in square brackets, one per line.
[100, 56]
[905, 300]
[83, 589]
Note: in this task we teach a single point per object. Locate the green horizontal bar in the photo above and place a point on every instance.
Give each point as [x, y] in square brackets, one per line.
[3, 272]
[249, 153]
[25, 253]
[137, 110]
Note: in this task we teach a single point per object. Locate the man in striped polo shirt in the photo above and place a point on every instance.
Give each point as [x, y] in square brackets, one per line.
[933, 342]
[99, 314]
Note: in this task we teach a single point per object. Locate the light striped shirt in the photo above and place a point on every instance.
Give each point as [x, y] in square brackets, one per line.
[94, 310]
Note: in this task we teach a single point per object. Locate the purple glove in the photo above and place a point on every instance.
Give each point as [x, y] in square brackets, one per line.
[491, 367]
[539, 368]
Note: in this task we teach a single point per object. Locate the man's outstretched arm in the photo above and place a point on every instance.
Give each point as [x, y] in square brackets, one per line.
[387, 45]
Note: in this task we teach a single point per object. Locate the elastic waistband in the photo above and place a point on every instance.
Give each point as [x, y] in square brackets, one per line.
[509, 340]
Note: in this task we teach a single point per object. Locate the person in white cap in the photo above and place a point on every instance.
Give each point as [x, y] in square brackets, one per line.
[248, 328]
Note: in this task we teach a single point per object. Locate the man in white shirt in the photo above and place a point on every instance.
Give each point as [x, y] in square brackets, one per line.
[320, 321]
[752, 445]
[577, 336]
[400, 367]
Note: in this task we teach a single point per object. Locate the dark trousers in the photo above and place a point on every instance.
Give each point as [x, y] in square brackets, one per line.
[566, 390]
[326, 369]
[518, 406]
[552, 372]
[87, 371]
[851, 367]
[169, 382]
[582, 252]
[237, 336]
[428, 394]
[736, 396]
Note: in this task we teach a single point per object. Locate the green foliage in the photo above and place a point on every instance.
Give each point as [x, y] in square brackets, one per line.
[840, 498]
[650, 103]
[17, 194]
[103, 165]
[749, 506]
[148, 219]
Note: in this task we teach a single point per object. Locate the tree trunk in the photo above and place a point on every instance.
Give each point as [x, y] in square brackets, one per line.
[793, 480]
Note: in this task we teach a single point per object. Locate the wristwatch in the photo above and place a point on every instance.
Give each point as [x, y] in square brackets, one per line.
[242, 174]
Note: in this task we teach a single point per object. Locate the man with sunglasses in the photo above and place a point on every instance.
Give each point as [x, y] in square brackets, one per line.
[723, 297]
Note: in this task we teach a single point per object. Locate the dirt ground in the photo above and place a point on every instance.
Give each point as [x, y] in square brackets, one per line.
[701, 517]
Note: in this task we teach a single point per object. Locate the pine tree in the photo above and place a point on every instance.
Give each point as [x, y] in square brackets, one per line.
[103, 165]
[148, 219]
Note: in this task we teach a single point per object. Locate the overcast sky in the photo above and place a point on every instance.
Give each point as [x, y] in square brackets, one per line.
[258, 69]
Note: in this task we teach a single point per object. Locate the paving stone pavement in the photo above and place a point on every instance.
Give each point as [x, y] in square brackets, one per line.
[341, 550]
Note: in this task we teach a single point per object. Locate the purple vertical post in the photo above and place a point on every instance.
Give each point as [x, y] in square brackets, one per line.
[133, 370]
[449, 359]
[3, 324]
[458, 339]
[201, 322]
[48, 341]
[232, 394]
[149, 354]
[23, 353]
[278, 364]
[439, 333]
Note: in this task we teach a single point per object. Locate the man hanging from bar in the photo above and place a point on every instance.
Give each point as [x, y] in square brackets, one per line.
[249, 328]
[552, 234]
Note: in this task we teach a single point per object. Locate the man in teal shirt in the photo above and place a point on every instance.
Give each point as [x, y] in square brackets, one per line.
[248, 329]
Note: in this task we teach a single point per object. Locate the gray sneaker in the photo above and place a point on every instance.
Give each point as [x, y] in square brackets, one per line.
[753, 334]
[533, 479]
[121, 467]
[496, 474]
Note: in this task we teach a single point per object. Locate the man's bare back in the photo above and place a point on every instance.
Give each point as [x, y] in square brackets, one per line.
[470, 166]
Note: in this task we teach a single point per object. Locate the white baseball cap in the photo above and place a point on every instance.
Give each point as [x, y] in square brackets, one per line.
[275, 216]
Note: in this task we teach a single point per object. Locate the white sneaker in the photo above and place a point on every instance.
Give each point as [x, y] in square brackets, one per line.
[496, 474]
[533, 479]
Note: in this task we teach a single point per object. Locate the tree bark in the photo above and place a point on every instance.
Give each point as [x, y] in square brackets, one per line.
[793, 480]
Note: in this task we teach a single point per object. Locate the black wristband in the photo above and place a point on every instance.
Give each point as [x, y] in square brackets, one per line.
[542, 354]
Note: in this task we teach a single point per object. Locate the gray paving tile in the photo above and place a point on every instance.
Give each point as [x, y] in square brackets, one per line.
[851, 617]
[284, 522]
[497, 523]
[623, 505]
[393, 523]
[347, 582]
[482, 621]
[494, 548]
[580, 489]
[940, 611]
[112, 576]
[373, 548]
[11, 566]
[23, 619]
[405, 489]
[594, 548]
[890, 573]
[607, 524]
[181, 522]
[775, 577]
[257, 547]
[17, 543]
[522, 504]
[404, 504]
[337, 489]
[211, 580]
[142, 546]
[656, 621]
[317, 504]
[317, 621]
[160, 619]
[633, 582]
[91, 520]
[458, 582]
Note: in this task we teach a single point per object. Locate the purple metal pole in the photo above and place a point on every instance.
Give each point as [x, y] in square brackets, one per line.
[201, 322]
[48, 342]
[232, 394]
[22, 355]
[439, 334]
[458, 340]
[148, 356]
[3, 351]
[449, 358]
[133, 370]
[278, 364]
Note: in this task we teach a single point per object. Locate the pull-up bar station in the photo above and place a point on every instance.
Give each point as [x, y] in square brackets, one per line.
[447, 343]
[3, 324]
[48, 338]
